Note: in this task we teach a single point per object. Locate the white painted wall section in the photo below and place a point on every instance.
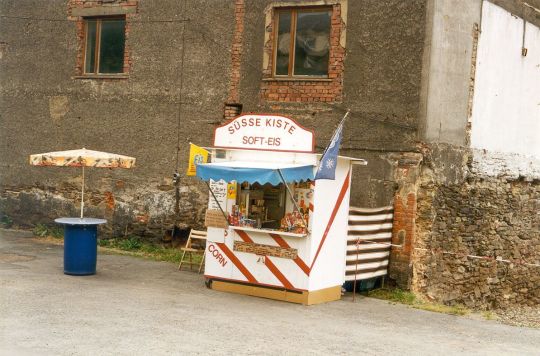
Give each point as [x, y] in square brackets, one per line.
[506, 104]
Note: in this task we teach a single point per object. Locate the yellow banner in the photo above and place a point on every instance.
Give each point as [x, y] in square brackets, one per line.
[197, 155]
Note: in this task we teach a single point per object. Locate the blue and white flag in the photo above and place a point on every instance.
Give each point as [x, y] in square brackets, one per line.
[328, 163]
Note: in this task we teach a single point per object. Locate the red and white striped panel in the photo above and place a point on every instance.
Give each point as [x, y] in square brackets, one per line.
[368, 239]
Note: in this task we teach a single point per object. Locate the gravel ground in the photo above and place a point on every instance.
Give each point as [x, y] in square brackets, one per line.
[520, 316]
[139, 307]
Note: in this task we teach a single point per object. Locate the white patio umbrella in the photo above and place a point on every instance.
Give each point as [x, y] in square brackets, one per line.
[82, 158]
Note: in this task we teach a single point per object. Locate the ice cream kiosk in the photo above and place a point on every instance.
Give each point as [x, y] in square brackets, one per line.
[273, 231]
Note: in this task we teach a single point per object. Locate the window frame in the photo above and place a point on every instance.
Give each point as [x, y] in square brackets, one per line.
[294, 15]
[97, 48]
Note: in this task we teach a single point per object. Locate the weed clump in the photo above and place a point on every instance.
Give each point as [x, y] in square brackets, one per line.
[6, 221]
[397, 295]
[43, 230]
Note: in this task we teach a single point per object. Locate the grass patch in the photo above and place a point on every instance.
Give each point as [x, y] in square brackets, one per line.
[133, 246]
[408, 298]
[394, 295]
[130, 246]
[43, 230]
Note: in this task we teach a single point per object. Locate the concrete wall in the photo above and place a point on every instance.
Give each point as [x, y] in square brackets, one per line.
[506, 106]
[447, 69]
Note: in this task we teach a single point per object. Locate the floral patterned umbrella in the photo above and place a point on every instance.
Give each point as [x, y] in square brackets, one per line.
[82, 158]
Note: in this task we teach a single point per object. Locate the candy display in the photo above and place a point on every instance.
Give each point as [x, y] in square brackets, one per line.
[255, 205]
[292, 222]
[237, 218]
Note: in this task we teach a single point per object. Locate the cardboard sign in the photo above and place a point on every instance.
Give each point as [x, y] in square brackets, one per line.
[264, 132]
[215, 218]
[219, 189]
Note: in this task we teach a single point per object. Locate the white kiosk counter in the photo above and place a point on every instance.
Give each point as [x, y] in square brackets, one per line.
[272, 230]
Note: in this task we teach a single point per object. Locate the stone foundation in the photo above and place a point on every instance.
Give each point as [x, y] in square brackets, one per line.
[142, 210]
[492, 216]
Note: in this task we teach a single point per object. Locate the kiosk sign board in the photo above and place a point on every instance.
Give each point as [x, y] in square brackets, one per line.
[264, 132]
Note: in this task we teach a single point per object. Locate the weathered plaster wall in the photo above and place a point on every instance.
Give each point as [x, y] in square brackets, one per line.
[510, 165]
[506, 105]
[43, 108]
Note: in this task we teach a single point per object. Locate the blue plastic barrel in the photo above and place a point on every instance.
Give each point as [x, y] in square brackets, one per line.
[80, 245]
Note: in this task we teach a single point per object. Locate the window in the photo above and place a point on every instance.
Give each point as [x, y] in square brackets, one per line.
[269, 207]
[104, 45]
[302, 46]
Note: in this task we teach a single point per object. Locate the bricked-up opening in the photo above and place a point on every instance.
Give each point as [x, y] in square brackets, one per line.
[104, 45]
[304, 49]
[232, 110]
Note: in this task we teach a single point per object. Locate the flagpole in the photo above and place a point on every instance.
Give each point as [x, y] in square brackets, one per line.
[342, 121]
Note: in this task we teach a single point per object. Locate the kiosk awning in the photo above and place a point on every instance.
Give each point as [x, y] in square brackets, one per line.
[255, 172]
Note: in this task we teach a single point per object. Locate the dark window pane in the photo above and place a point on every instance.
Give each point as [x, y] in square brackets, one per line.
[111, 48]
[283, 43]
[89, 66]
[312, 45]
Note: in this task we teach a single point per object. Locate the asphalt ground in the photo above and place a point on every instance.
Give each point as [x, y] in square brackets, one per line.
[134, 306]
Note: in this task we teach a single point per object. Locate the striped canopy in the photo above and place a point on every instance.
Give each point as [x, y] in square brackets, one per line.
[82, 158]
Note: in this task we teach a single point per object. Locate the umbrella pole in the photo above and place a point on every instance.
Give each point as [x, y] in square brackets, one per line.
[82, 193]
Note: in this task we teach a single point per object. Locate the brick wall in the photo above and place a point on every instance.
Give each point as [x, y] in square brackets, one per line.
[403, 234]
[406, 172]
[127, 8]
[232, 107]
[236, 51]
[307, 90]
